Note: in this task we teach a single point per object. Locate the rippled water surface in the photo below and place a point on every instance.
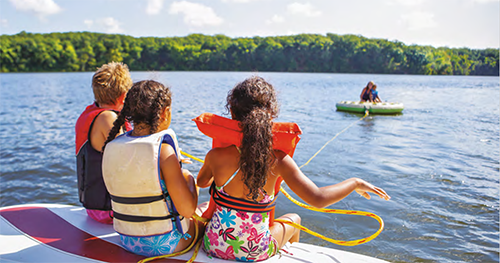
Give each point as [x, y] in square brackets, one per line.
[439, 160]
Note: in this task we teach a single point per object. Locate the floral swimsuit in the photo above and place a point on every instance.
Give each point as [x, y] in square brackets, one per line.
[239, 229]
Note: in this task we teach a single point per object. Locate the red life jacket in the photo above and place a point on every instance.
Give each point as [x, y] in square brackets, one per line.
[82, 126]
[91, 189]
[226, 132]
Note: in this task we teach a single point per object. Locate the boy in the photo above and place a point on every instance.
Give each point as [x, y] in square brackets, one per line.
[375, 98]
[110, 84]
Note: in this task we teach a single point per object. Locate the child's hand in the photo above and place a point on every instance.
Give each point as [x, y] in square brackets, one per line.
[186, 160]
[364, 188]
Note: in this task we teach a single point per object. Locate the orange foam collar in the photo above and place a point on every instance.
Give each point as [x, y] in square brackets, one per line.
[226, 132]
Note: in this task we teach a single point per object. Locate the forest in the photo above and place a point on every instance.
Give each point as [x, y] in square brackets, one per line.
[86, 51]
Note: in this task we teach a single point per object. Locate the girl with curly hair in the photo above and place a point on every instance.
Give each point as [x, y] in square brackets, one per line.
[248, 175]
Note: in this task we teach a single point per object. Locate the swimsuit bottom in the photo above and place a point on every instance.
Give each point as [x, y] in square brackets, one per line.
[239, 235]
[152, 246]
[101, 216]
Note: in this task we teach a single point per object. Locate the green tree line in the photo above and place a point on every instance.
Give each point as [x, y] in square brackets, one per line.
[85, 51]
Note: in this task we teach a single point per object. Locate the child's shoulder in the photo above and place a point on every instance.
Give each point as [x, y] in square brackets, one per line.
[222, 153]
[228, 150]
[279, 154]
[106, 117]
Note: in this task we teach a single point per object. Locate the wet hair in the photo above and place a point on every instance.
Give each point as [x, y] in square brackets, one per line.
[368, 84]
[110, 81]
[254, 104]
[143, 104]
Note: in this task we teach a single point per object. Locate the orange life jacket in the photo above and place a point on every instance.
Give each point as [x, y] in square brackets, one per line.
[226, 132]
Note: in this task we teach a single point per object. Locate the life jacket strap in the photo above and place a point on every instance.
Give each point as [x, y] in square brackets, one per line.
[138, 200]
[132, 218]
[240, 204]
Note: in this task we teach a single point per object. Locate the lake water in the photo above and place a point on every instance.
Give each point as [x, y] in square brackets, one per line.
[439, 160]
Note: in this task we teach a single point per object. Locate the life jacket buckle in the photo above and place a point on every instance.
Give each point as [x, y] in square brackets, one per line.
[165, 195]
[176, 215]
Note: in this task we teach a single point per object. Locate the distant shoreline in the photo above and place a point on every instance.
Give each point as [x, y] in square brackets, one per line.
[330, 53]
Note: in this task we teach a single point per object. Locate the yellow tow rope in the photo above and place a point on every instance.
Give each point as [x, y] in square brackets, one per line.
[333, 211]
[334, 137]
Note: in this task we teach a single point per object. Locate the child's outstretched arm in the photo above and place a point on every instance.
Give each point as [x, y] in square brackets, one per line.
[181, 189]
[327, 195]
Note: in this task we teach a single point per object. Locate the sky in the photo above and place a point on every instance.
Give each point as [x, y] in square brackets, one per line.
[452, 23]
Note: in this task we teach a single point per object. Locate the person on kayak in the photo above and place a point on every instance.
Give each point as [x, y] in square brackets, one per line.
[247, 175]
[366, 93]
[110, 84]
[153, 198]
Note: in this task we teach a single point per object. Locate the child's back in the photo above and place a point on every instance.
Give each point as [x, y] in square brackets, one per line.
[153, 199]
[110, 84]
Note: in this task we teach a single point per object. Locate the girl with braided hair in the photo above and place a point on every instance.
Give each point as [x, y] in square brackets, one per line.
[247, 175]
[153, 198]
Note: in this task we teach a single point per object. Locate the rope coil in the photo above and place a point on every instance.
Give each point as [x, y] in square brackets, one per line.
[333, 211]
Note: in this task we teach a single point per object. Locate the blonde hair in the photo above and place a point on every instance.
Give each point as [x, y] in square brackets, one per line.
[110, 81]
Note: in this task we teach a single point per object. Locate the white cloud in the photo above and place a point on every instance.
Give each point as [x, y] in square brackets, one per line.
[195, 14]
[406, 2]
[275, 20]
[154, 7]
[40, 8]
[239, 1]
[110, 25]
[303, 9]
[106, 25]
[419, 20]
[485, 1]
[4, 22]
[88, 23]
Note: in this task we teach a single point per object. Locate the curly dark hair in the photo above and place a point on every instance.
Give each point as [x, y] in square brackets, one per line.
[254, 104]
[143, 104]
